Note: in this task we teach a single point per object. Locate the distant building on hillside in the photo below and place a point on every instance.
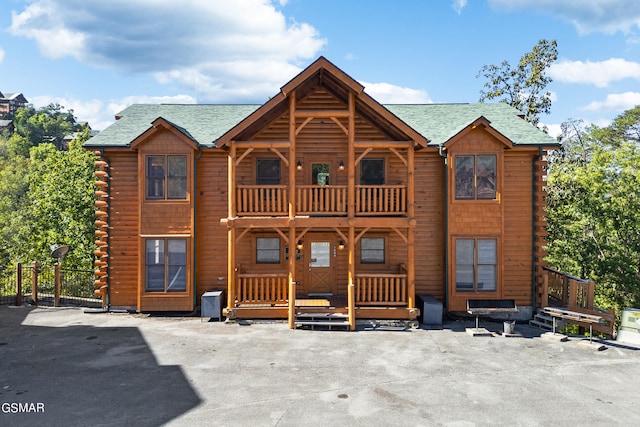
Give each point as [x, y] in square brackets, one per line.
[10, 102]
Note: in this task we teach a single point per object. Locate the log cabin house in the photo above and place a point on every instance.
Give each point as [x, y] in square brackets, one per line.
[322, 198]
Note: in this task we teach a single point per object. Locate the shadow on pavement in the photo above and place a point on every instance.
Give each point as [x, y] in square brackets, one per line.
[83, 376]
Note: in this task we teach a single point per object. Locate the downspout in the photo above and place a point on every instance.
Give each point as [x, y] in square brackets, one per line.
[108, 296]
[534, 208]
[446, 227]
[195, 226]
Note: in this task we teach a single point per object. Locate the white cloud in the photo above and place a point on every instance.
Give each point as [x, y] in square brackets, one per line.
[606, 16]
[98, 115]
[386, 93]
[600, 73]
[458, 5]
[221, 50]
[1, 55]
[616, 102]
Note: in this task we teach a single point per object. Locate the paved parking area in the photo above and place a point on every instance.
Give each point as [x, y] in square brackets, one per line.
[131, 369]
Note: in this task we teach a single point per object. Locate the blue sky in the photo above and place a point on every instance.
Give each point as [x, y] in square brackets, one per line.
[96, 56]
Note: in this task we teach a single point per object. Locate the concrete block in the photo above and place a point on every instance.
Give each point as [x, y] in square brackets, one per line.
[550, 336]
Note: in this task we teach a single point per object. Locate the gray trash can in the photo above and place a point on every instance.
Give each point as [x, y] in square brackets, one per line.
[211, 305]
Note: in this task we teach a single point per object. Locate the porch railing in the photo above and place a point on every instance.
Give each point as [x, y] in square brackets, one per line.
[321, 199]
[272, 200]
[381, 199]
[266, 289]
[381, 289]
[262, 200]
[560, 289]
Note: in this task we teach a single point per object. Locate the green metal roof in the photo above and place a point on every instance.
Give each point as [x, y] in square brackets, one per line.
[441, 122]
[205, 123]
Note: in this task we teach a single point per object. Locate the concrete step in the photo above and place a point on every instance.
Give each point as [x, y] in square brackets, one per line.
[321, 316]
[326, 324]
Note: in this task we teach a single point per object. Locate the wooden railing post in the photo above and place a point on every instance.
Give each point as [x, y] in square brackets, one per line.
[34, 283]
[591, 294]
[573, 293]
[544, 296]
[57, 284]
[19, 284]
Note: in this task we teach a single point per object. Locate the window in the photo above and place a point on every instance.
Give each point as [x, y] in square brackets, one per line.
[268, 250]
[372, 171]
[166, 265]
[372, 250]
[475, 177]
[268, 171]
[476, 264]
[166, 177]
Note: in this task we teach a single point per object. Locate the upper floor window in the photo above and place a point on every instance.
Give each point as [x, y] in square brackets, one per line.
[476, 264]
[372, 250]
[166, 177]
[268, 171]
[165, 265]
[372, 171]
[475, 177]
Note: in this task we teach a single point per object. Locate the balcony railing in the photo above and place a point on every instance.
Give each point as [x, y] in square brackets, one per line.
[269, 200]
[261, 200]
[381, 199]
[321, 199]
[268, 289]
[381, 289]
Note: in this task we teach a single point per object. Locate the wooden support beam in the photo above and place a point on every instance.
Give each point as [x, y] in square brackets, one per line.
[361, 234]
[351, 155]
[342, 236]
[344, 129]
[362, 155]
[306, 122]
[243, 155]
[399, 233]
[400, 156]
[292, 156]
[262, 144]
[279, 154]
[383, 144]
[351, 277]
[284, 236]
[321, 114]
[241, 235]
[302, 233]
[292, 276]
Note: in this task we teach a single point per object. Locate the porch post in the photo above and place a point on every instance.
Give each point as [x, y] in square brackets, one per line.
[231, 231]
[292, 277]
[351, 291]
[411, 231]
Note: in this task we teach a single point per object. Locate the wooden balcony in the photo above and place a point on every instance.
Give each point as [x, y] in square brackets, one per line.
[257, 200]
[321, 199]
[261, 200]
[381, 199]
[381, 289]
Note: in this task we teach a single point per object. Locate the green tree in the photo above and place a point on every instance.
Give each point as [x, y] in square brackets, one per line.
[523, 87]
[47, 124]
[593, 210]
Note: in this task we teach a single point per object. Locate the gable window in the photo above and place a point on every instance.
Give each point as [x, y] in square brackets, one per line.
[372, 250]
[475, 177]
[268, 171]
[476, 264]
[268, 250]
[372, 171]
[166, 177]
[165, 265]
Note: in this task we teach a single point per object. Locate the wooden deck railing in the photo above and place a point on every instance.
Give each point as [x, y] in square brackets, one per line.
[322, 199]
[563, 290]
[381, 199]
[272, 200]
[262, 288]
[381, 289]
[262, 200]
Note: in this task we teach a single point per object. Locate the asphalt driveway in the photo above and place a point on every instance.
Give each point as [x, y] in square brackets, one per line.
[62, 366]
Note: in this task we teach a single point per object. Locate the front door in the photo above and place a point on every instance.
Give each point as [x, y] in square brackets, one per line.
[319, 257]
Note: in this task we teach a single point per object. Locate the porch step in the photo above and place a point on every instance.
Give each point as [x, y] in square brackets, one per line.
[322, 320]
[545, 322]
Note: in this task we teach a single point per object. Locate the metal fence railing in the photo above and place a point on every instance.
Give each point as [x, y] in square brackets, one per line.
[38, 284]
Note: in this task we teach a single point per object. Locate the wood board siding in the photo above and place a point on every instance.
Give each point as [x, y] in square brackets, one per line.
[123, 228]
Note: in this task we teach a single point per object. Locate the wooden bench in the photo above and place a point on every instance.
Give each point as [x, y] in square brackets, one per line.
[574, 317]
[486, 307]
